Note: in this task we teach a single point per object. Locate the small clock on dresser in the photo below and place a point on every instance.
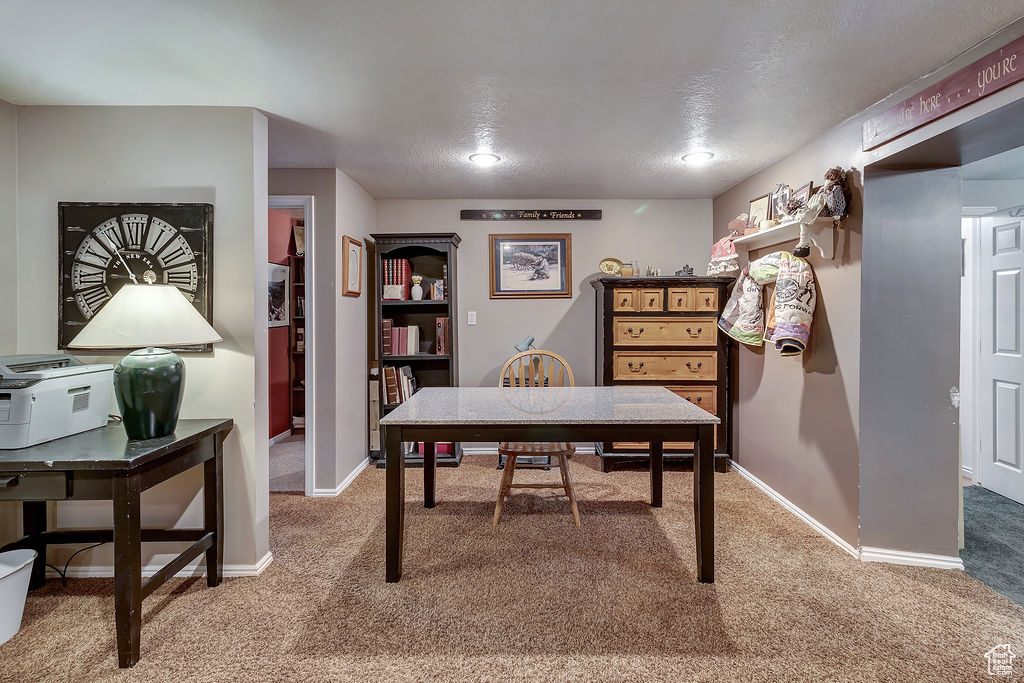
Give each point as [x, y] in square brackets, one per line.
[102, 246]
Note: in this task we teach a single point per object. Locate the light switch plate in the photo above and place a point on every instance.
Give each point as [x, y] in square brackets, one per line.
[471, 318]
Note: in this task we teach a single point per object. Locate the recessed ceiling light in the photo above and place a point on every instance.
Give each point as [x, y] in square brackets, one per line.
[698, 158]
[484, 159]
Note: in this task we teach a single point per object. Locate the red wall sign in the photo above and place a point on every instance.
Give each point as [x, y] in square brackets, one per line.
[991, 73]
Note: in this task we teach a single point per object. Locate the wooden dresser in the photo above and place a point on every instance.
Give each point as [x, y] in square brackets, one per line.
[664, 331]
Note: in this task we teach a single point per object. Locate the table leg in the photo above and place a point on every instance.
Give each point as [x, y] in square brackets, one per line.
[213, 511]
[394, 497]
[127, 568]
[657, 472]
[704, 502]
[429, 473]
[33, 523]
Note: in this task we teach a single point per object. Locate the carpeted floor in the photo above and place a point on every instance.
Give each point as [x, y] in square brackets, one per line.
[994, 542]
[288, 464]
[534, 598]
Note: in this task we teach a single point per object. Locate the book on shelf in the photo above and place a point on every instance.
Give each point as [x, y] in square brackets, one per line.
[441, 333]
[299, 421]
[390, 385]
[300, 339]
[300, 306]
[397, 279]
[407, 383]
[385, 335]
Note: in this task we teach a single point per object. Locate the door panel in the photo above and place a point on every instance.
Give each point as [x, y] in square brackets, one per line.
[1001, 363]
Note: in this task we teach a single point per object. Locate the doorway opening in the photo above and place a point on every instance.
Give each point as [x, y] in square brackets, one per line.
[290, 352]
[992, 371]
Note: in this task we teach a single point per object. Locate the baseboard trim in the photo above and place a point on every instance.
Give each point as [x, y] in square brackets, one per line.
[806, 518]
[493, 450]
[330, 493]
[868, 554]
[195, 568]
[280, 437]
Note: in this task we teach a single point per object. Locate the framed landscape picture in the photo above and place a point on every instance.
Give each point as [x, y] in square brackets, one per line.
[760, 210]
[277, 295]
[531, 266]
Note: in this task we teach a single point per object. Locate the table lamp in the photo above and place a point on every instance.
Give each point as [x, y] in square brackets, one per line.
[525, 345]
[150, 382]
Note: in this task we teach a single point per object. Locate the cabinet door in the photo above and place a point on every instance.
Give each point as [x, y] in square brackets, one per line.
[625, 299]
[652, 300]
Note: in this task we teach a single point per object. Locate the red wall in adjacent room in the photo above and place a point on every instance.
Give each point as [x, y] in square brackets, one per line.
[279, 230]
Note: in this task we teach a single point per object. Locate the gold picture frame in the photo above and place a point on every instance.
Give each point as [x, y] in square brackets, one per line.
[351, 266]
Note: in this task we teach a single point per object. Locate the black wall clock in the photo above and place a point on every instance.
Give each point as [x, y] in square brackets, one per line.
[101, 245]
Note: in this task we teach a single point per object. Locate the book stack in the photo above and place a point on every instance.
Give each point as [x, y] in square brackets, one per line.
[300, 306]
[399, 384]
[299, 422]
[300, 339]
[399, 340]
[397, 278]
[442, 335]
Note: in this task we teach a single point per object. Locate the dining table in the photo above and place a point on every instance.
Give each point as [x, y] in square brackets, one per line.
[650, 414]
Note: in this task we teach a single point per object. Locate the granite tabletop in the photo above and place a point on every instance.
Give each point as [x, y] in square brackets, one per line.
[540, 405]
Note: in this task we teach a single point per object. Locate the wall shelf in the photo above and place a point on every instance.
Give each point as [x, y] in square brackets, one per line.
[823, 236]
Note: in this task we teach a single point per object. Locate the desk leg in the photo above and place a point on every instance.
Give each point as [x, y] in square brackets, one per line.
[429, 473]
[127, 568]
[394, 497]
[704, 502]
[213, 511]
[657, 472]
[33, 523]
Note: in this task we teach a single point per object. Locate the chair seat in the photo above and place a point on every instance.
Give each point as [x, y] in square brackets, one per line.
[536, 448]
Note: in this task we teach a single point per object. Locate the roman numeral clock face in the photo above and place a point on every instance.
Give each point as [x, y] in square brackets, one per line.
[104, 246]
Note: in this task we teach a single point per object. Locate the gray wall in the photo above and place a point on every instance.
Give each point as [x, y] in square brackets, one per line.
[911, 346]
[163, 154]
[797, 423]
[663, 233]
[8, 223]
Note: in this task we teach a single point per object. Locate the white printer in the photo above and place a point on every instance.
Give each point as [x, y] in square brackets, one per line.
[51, 396]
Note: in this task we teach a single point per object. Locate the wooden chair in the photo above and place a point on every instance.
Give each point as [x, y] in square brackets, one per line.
[536, 369]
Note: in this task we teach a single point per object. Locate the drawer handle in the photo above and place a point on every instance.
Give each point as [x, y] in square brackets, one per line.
[707, 300]
[699, 330]
[9, 482]
[651, 302]
[690, 365]
[625, 300]
[634, 369]
[635, 335]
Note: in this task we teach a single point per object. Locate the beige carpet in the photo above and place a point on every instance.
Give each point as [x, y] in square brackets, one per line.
[288, 464]
[534, 598]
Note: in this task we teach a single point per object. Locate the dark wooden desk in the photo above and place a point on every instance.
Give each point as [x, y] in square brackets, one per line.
[618, 413]
[103, 464]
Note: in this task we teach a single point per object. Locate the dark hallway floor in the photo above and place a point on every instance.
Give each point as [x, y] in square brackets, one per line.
[994, 541]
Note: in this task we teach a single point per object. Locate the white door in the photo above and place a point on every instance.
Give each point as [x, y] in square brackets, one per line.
[1000, 395]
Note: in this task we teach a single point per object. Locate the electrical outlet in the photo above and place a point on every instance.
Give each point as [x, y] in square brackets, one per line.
[471, 318]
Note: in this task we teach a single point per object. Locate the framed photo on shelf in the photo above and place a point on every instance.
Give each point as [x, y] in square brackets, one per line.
[760, 210]
[804, 192]
[531, 266]
[352, 266]
[278, 296]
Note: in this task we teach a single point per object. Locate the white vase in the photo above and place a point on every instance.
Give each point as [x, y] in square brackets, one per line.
[416, 292]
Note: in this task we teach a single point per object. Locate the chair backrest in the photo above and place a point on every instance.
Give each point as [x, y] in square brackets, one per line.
[536, 368]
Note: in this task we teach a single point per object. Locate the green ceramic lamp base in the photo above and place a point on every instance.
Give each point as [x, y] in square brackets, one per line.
[148, 385]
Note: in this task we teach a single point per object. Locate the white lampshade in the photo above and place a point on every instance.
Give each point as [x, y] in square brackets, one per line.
[146, 315]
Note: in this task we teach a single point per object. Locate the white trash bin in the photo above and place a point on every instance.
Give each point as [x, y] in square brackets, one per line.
[15, 571]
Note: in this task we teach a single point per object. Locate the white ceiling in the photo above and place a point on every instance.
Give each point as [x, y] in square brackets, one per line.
[581, 98]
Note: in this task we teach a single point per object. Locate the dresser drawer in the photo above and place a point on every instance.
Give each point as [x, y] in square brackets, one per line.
[33, 486]
[626, 299]
[665, 331]
[651, 300]
[703, 397]
[706, 299]
[665, 365]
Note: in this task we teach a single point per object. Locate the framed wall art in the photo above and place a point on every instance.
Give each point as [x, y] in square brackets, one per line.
[760, 210]
[352, 266]
[278, 296]
[103, 245]
[525, 266]
[803, 193]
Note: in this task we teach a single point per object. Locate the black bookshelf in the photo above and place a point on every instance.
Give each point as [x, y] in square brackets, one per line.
[429, 254]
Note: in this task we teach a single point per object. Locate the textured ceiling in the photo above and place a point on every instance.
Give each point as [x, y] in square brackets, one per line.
[581, 98]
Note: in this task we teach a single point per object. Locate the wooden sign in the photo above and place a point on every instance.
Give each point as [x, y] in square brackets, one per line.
[990, 74]
[530, 214]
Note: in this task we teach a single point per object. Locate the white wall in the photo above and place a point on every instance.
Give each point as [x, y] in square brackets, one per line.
[8, 221]
[164, 154]
[356, 217]
[664, 233]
